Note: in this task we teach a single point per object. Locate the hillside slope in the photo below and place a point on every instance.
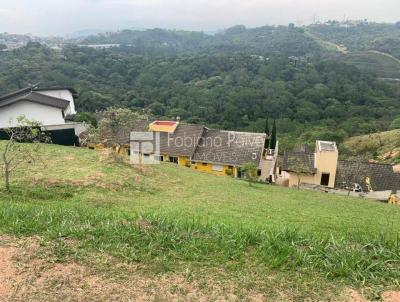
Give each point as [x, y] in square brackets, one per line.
[217, 233]
[381, 146]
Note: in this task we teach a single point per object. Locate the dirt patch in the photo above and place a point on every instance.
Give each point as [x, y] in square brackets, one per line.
[391, 296]
[73, 282]
[28, 274]
[7, 269]
[354, 296]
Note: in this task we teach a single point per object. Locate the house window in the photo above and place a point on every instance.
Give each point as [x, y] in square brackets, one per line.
[159, 158]
[146, 155]
[173, 159]
[204, 164]
[259, 172]
[217, 168]
[325, 179]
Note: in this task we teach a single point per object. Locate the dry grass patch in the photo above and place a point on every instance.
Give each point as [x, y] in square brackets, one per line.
[28, 273]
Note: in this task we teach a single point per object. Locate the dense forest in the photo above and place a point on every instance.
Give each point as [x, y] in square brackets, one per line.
[232, 80]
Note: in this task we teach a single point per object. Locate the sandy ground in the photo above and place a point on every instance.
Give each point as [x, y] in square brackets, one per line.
[26, 277]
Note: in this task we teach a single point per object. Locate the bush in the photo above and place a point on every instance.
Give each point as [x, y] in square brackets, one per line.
[395, 124]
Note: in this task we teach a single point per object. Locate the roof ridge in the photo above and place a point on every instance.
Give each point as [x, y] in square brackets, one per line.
[26, 90]
[365, 162]
[232, 131]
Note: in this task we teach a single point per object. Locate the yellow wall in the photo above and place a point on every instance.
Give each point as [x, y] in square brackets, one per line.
[208, 168]
[183, 160]
[326, 162]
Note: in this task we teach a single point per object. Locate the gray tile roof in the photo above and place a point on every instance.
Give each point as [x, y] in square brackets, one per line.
[230, 147]
[382, 175]
[299, 162]
[182, 142]
[35, 97]
[303, 148]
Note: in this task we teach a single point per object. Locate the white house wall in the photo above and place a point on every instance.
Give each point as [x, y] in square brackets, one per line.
[46, 115]
[62, 94]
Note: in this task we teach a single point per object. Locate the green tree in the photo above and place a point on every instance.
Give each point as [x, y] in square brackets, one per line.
[86, 117]
[266, 144]
[115, 125]
[250, 172]
[272, 143]
[395, 124]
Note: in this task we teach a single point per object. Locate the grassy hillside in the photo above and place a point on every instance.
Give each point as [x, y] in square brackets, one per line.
[383, 64]
[217, 232]
[382, 146]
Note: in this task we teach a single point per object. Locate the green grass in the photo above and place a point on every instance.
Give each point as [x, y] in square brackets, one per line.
[375, 146]
[382, 64]
[168, 218]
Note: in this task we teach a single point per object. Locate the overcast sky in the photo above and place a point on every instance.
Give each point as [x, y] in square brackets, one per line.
[54, 17]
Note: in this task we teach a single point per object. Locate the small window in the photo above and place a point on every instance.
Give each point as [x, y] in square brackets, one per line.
[204, 164]
[173, 159]
[218, 168]
[146, 155]
[159, 158]
[259, 172]
[325, 179]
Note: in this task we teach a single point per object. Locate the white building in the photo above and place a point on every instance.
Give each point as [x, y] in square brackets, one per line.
[54, 108]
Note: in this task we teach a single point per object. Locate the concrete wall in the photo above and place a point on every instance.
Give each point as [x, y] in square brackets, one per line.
[138, 158]
[44, 114]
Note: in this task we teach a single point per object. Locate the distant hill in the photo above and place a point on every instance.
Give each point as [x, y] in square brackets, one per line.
[381, 146]
[383, 64]
[360, 36]
[369, 46]
[85, 33]
[266, 40]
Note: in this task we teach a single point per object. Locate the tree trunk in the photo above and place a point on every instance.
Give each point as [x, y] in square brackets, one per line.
[6, 172]
[7, 178]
